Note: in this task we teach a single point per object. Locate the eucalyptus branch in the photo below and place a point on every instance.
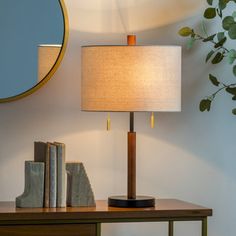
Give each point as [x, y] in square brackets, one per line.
[220, 89]
[205, 104]
[218, 51]
[212, 41]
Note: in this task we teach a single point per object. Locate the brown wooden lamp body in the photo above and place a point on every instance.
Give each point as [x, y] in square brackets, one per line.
[131, 184]
[131, 200]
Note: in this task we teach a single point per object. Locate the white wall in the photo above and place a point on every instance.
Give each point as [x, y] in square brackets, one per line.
[189, 155]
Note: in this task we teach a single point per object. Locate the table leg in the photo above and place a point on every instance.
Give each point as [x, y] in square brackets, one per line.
[171, 228]
[98, 229]
[204, 226]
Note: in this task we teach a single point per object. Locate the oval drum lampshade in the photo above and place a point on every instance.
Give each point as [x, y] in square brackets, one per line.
[131, 78]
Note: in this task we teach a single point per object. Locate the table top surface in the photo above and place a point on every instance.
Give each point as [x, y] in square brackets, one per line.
[164, 208]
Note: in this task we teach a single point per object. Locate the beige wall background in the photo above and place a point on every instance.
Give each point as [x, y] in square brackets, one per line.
[189, 155]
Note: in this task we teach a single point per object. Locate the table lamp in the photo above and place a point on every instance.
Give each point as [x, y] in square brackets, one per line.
[131, 78]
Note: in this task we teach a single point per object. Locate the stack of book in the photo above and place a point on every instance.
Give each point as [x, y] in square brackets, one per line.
[53, 157]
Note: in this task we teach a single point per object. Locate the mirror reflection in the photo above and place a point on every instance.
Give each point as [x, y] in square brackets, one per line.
[30, 41]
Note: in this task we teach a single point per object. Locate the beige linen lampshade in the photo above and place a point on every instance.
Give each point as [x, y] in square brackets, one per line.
[131, 78]
[47, 56]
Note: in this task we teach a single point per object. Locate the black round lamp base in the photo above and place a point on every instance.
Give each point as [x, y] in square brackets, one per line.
[123, 201]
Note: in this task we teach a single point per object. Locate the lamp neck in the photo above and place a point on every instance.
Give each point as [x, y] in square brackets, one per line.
[131, 41]
[131, 121]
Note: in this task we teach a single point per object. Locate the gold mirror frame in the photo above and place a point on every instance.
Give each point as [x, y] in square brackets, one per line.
[56, 64]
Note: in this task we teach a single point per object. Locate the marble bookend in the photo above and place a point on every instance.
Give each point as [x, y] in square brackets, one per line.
[79, 191]
[33, 194]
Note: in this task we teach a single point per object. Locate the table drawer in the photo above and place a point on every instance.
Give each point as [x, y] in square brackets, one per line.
[49, 230]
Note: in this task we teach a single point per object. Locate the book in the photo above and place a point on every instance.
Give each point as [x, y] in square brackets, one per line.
[41, 154]
[52, 175]
[61, 175]
[40, 151]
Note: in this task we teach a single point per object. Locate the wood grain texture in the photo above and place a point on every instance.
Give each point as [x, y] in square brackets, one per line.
[164, 209]
[49, 230]
[131, 184]
[131, 40]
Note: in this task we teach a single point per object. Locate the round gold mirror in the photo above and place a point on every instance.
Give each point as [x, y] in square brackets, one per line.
[33, 40]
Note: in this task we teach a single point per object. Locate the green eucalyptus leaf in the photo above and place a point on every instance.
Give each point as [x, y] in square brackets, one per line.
[222, 4]
[210, 13]
[232, 31]
[220, 43]
[220, 36]
[214, 80]
[210, 2]
[209, 55]
[231, 90]
[234, 111]
[234, 70]
[217, 58]
[211, 37]
[205, 105]
[227, 22]
[185, 32]
[231, 56]
[234, 14]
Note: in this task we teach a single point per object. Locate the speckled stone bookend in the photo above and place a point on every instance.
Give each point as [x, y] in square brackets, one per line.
[79, 191]
[33, 194]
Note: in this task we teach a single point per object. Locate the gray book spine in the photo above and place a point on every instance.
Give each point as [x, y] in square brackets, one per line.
[41, 154]
[53, 177]
[61, 175]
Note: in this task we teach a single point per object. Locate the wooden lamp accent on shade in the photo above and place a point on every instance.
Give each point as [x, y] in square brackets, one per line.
[131, 78]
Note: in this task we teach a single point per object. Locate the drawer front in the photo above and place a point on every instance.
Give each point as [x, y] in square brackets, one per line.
[49, 230]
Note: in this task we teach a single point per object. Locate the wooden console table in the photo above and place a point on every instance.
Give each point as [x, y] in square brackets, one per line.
[86, 221]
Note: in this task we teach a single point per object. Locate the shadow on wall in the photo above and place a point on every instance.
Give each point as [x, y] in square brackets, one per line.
[117, 16]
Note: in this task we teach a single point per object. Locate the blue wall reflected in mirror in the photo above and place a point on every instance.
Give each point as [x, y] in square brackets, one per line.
[24, 25]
